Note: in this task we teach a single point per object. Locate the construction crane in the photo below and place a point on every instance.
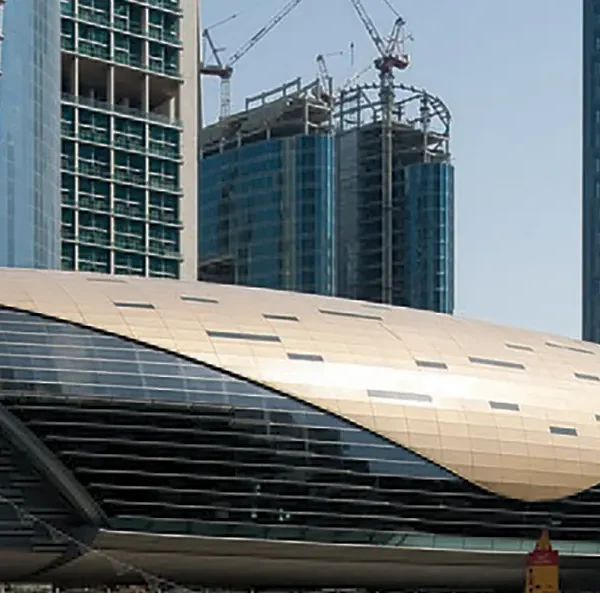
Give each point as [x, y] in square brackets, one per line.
[224, 70]
[391, 57]
[325, 79]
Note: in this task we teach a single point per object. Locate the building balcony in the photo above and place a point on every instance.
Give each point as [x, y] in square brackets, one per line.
[93, 16]
[121, 110]
[129, 244]
[97, 52]
[170, 5]
[67, 163]
[163, 151]
[67, 129]
[93, 237]
[165, 217]
[67, 43]
[159, 248]
[164, 184]
[85, 168]
[97, 137]
[160, 67]
[129, 177]
[125, 59]
[93, 204]
[128, 26]
[128, 143]
[165, 37]
[67, 9]
[129, 211]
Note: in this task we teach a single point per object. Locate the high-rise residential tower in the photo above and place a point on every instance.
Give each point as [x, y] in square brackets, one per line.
[591, 172]
[129, 136]
[30, 133]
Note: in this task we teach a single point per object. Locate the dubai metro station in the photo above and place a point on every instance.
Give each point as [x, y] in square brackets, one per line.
[223, 436]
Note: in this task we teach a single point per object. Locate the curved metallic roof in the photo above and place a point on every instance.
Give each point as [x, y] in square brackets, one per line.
[514, 411]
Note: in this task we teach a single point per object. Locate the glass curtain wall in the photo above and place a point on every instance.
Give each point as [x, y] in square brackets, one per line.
[591, 172]
[30, 134]
[422, 225]
[266, 215]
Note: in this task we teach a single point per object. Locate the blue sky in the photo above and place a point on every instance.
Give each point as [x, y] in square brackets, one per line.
[510, 72]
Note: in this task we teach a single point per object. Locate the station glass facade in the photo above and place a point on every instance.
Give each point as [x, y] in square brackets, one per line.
[162, 444]
[266, 215]
[30, 134]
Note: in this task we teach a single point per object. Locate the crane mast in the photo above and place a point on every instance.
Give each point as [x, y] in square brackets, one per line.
[324, 76]
[225, 70]
[391, 57]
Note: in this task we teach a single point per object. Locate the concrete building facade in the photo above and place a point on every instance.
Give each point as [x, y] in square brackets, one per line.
[129, 136]
[30, 133]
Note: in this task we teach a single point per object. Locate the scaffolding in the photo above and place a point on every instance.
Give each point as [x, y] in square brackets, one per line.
[371, 184]
[287, 110]
[281, 140]
[381, 195]
[420, 122]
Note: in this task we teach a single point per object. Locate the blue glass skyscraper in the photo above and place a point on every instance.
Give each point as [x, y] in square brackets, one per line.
[292, 197]
[591, 172]
[30, 134]
[266, 200]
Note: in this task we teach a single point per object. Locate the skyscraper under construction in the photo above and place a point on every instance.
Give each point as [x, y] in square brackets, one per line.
[292, 196]
[419, 240]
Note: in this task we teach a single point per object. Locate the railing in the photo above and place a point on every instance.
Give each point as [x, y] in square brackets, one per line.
[127, 143]
[162, 150]
[158, 248]
[164, 184]
[93, 16]
[96, 204]
[129, 177]
[104, 106]
[129, 244]
[131, 211]
[159, 67]
[93, 51]
[94, 136]
[165, 36]
[166, 217]
[172, 5]
[128, 60]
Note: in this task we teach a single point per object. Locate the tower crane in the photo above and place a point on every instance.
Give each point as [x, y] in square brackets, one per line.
[224, 70]
[323, 71]
[391, 57]
[325, 78]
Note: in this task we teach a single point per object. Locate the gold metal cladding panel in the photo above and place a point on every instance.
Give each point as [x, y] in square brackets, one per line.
[511, 410]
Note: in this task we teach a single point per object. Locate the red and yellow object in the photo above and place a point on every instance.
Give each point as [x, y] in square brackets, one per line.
[542, 567]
